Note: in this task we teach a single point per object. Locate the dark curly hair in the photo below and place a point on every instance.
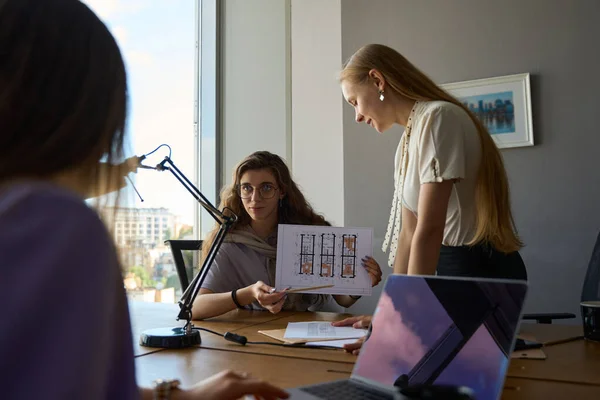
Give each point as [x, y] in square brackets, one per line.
[294, 209]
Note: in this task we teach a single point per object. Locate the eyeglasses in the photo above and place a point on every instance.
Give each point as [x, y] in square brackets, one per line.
[266, 191]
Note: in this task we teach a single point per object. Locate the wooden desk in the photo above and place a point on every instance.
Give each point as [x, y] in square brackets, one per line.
[574, 362]
[149, 316]
[571, 369]
[251, 333]
[548, 332]
[193, 365]
[526, 389]
[158, 315]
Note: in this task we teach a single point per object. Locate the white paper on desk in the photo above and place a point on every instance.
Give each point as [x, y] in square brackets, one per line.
[332, 343]
[321, 330]
[310, 255]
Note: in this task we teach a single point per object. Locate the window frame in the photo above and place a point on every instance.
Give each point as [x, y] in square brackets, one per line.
[207, 129]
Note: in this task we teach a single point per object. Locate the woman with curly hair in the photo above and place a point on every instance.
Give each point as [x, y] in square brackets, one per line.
[262, 195]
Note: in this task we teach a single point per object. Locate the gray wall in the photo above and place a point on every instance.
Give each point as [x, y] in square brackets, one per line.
[555, 184]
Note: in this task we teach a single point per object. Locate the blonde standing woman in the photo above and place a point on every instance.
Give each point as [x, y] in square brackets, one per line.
[451, 212]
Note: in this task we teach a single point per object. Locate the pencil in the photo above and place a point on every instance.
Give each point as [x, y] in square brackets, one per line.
[339, 372]
[561, 341]
[308, 288]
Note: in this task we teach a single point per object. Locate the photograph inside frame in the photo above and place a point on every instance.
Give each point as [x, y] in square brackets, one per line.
[502, 104]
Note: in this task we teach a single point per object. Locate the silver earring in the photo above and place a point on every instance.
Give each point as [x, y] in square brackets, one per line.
[381, 96]
[280, 203]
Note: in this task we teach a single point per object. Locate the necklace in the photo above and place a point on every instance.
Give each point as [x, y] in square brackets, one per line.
[396, 211]
[407, 132]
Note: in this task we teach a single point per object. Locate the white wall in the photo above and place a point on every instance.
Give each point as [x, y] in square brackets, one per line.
[318, 139]
[317, 134]
[255, 69]
[279, 93]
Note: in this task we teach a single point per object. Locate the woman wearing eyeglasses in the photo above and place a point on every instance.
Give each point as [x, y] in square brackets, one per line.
[262, 195]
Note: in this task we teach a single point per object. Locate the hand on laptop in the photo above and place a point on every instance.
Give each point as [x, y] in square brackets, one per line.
[359, 322]
[229, 385]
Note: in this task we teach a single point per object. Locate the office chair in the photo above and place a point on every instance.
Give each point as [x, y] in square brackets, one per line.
[589, 292]
[591, 284]
[185, 273]
[547, 318]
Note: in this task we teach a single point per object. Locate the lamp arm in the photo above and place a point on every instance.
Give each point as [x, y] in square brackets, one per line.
[187, 298]
[193, 190]
[225, 221]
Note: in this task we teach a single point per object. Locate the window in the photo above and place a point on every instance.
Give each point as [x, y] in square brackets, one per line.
[162, 47]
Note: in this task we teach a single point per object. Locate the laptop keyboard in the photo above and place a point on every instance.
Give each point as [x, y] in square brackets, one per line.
[346, 390]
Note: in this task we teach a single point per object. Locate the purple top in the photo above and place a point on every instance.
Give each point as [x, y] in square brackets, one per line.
[65, 330]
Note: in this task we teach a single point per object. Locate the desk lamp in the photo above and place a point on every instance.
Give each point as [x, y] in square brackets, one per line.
[186, 336]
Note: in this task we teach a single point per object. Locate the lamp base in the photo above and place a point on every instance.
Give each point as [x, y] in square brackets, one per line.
[169, 338]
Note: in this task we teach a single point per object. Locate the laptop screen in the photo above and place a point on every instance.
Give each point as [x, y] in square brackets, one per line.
[439, 330]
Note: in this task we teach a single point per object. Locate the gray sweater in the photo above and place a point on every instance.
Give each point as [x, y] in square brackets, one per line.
[239, 265]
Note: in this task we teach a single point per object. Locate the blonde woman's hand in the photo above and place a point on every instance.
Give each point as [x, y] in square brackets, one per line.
[266, 296]
[373, 269]
[359, 322]
[230, 385]
[355, 347]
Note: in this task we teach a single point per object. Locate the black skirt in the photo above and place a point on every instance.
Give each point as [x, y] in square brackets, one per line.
[480, 261]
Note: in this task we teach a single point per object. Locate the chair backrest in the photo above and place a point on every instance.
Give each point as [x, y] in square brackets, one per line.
[591, 284]
[589, 292]
[185, 273]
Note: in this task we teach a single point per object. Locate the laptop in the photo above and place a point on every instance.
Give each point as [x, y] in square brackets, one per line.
[452, 335]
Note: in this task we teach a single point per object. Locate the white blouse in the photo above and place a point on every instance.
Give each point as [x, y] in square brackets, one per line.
[443, 145]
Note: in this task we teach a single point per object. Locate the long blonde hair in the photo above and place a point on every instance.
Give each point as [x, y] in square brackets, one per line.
[494, 221]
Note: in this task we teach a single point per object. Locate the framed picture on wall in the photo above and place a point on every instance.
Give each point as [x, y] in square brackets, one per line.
[503, 104]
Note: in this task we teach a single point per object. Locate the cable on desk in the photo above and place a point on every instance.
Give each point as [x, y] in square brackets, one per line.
[243, 340]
